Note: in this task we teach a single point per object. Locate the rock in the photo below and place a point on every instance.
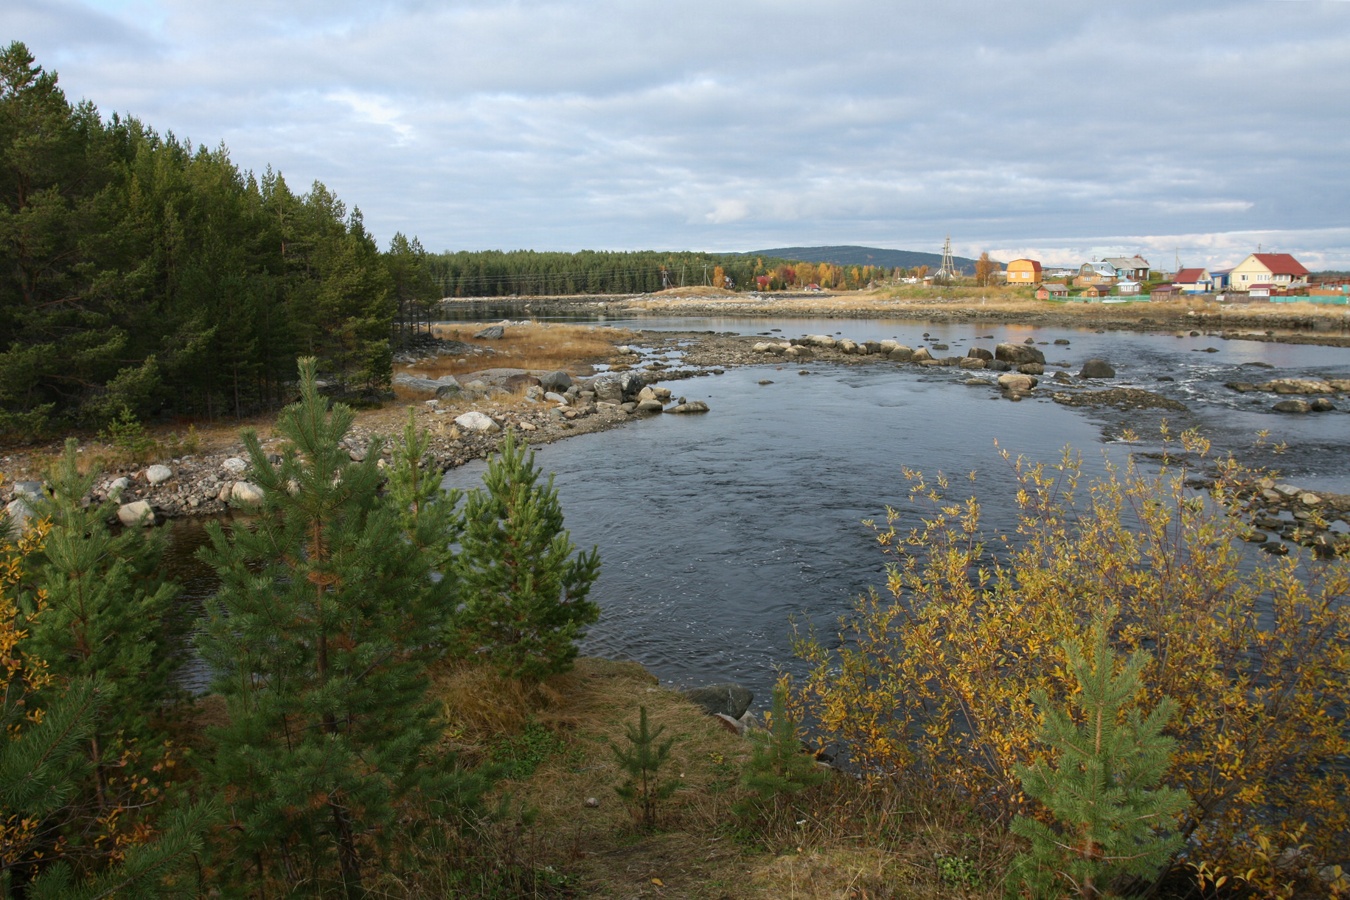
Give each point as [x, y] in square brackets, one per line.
[690, 406]
[1062, 377]
[18, 511]
[139, 512]
[1293, 406]
[971, 362]
[520, 381]
[1016, 382]
[1017, 354]
[492, 333]
[1322, 404]
[797, 351]
[1297, 386]
[558, 381]
[441, 387]
[478, 422]
[979, 353]
[157, 474]
[1031, 368]
[1062, 342]
[234, 466]
[246, 493]
[921, 355]
[727, 698]
[899, 353]
[735, 726]
[118, 486]
[650, 406]
[1097, 368]
[554, 397]
[592, 803]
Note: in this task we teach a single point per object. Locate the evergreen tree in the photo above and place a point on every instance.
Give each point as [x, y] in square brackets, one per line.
[326, 619]
[522, 592]
[52, 844]
[1103, 792]
[778, 766]
[642, 761]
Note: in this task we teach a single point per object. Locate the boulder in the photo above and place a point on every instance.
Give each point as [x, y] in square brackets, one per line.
[492, 333]
[246, 493]
[900, 353]
[1298, 386]
[971, 362]
[234, 466]
[118, 486]
[520, 381]
[158, 474]
[1322, 404]
[921, 355]
[650, 406]
[139, 512]
[689, 406]
[729, 699]
[18, 512]
[608, 388]
[1016, 382]
[437, 388]
[558, 381]
[1017, 354]
[477, 422]
[1293, 406]
[979, 353]
[1097, 368]
[1032, 368]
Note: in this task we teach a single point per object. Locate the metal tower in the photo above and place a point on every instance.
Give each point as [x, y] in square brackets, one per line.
[948, 272]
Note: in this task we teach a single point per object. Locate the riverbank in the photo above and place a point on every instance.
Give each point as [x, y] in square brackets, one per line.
[203, 465]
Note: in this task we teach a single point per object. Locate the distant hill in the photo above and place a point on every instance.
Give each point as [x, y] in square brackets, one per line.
[866, 256]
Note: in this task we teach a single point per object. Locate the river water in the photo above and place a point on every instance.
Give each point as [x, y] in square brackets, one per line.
[715, 531]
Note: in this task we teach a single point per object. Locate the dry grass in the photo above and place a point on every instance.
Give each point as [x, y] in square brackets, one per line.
[534, 346]
[843, 840]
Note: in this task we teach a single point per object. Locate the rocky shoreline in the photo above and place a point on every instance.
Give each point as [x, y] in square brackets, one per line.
[545, 407]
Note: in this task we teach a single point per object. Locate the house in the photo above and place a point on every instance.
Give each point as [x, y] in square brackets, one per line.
[1193, 281]
[1133, 268]
[1127, 288]
[1097, 290]
[1024, 271]
[1279, 270]
[1164, 292]
[1095, 273]
[1219, 279]
[1053, 290]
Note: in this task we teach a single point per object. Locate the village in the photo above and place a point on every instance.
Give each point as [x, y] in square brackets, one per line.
[1261, 277]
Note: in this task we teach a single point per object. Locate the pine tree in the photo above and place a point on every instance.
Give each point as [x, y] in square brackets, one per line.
[327, 617]
[642, 761]
[777, 767]
[523, 593]
[1103, 790]
[52, 844]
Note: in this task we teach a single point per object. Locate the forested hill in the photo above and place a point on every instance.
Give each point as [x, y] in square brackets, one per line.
[865, 256]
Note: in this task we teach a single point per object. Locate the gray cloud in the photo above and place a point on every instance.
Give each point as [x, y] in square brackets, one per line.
[634, 123]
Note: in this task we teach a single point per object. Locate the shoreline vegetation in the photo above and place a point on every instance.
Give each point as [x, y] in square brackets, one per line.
[562, 831]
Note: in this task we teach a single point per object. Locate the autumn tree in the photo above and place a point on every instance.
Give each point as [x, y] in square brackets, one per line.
[936, 675]
[984, 270]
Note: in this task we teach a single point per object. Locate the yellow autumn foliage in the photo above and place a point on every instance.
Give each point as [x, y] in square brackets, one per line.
[932, 677]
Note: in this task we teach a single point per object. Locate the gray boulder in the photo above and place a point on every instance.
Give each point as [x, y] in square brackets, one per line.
[437, 388]
[1097, 368]
[246, 493]
[477, 421]
[979, 353]
[1018, 354]
[558, 381]
[689, 406]
[1293, 406]
[729, 699]
[492, 333]
[158, 474]
[1016, 382]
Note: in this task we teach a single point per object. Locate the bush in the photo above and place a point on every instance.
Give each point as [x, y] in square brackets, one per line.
[936, 678]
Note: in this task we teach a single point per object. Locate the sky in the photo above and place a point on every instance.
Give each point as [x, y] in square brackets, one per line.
[1190, 132]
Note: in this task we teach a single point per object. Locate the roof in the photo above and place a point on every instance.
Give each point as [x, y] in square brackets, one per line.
[1189, 276]
[1035, 265]
[1127, 262]
[1280, 263]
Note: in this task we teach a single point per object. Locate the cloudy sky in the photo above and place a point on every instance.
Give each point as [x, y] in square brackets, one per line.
[1062, 130]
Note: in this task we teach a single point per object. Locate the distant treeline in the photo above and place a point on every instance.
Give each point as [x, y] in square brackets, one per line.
[139, 273]
[525, 273]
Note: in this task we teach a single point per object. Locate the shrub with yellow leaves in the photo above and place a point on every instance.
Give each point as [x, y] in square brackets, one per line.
[934, 676]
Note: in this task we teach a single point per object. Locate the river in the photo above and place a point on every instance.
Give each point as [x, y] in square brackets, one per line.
[716, 531]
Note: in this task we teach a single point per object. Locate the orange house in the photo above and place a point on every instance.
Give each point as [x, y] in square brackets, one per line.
[1024, 271]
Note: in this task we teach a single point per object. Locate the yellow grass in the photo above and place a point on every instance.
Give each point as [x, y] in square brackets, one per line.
[535, 346]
